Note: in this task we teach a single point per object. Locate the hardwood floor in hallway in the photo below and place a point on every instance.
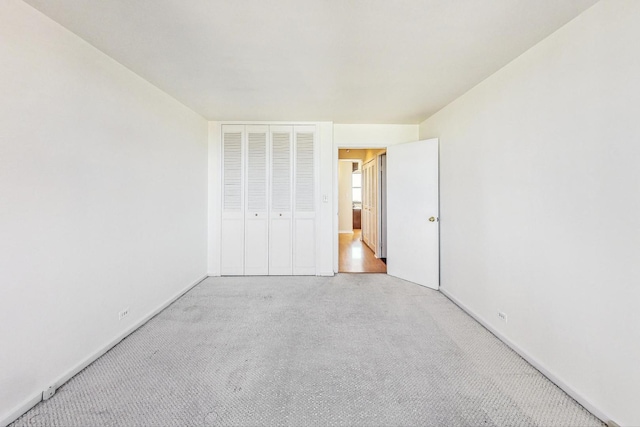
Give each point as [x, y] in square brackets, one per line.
[356, 257]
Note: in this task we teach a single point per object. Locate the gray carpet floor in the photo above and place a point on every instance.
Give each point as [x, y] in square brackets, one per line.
[348, 350]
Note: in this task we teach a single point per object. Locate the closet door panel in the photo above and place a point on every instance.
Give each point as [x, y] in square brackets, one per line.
[304, 234]
[305, 246]
[232, 247]
[280, 257]
[256, 250]
[281, 202]
[256, 253]
[232, 226]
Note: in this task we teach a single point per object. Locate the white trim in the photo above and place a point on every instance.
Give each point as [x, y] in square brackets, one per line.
[317, 177]
[264, 122]
[335, 243]
[326, 273]
[345, 231]
[586, 403]
[21, 409]
[58, 382]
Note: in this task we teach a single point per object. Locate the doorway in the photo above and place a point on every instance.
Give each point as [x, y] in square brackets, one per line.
[405, 210]
[361, 213]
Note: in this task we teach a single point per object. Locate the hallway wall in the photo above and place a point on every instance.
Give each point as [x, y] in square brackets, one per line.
[540, 198]
[345, 197]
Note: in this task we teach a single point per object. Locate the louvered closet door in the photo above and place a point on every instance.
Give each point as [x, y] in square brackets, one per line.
[280, 216]
[304, 217]
[256, 224]
[232, 227]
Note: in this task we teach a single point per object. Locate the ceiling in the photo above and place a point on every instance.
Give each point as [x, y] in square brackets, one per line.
[347, 61]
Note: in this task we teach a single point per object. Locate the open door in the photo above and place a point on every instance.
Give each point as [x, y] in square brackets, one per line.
[413, 236]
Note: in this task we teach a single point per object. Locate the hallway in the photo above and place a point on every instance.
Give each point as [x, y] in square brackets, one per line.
[356, 257]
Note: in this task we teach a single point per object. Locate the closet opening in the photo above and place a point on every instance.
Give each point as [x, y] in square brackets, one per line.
[362, 210]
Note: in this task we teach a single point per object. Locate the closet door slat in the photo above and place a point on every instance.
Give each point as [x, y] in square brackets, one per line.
[232, 175]
[281, 172]
[257, 171]
[305, 172]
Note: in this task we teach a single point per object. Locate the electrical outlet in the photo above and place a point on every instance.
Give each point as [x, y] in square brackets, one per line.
[124, 313]
[49, 392]
[502, 316]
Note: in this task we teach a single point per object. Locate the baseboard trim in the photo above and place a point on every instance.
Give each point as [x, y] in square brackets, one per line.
[33, 401]
[326, 273]
[586, 403]
[345, 231]
[18, 411]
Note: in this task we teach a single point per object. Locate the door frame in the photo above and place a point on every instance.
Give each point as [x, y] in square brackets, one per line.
[336, 148]
[382, 207]
[360, 146]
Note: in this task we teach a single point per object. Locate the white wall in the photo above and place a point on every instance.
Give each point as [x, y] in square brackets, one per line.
[345, 196]
[540, 205]
[102, 202]
[373, 135]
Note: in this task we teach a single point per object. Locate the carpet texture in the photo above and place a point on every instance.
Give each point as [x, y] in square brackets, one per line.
[347, 350]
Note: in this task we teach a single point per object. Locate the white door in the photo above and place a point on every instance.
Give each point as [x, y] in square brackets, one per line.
[280, 228]
[304, 217]
[232, 223]
[256, 224]
[412, 212]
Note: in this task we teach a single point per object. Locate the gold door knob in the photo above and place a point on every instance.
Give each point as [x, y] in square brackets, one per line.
[432, 219]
